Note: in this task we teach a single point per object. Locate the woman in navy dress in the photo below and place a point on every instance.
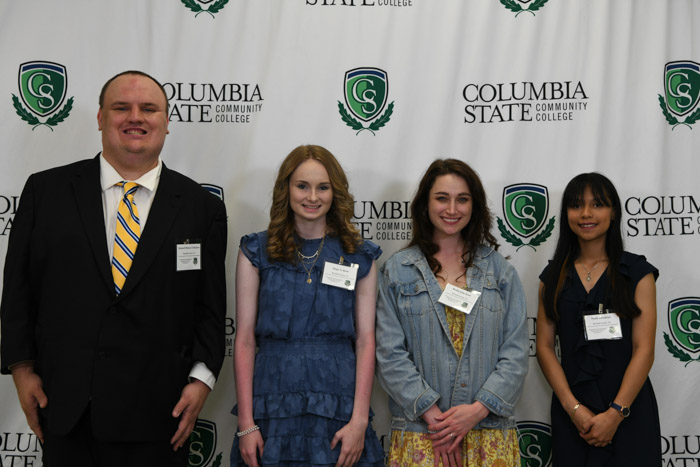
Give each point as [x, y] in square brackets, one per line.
[304, 347]
[604, 411]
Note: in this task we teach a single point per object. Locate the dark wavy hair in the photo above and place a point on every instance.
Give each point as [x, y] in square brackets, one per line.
[477, 231]
[568, 249]
[282, 242]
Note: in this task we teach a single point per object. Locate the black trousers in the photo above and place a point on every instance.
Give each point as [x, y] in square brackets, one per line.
[79, 448]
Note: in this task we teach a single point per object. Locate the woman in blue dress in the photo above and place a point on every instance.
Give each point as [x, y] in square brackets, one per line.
[305, 309]
[601, 302]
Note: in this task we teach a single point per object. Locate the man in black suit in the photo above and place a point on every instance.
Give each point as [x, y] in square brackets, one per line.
[115, 375]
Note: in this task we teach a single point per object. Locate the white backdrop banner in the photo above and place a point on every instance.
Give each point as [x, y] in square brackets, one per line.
[528, 92]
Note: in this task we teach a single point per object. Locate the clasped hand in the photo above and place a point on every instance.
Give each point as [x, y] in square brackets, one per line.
[450, 428]
[597, 430]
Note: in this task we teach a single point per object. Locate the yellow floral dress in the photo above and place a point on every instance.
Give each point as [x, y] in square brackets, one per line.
[480, 448]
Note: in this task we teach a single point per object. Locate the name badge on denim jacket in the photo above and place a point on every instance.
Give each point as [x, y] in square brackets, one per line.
[459, 299]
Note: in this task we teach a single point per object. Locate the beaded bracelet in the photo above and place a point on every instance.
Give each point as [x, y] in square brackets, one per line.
[248, 431]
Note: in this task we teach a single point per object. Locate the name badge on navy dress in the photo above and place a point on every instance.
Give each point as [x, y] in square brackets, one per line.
[340, 275]
[459, 299]
[604, 325]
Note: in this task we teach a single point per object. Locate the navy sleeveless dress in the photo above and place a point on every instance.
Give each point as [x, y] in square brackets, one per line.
[594, 371]
[304, 379]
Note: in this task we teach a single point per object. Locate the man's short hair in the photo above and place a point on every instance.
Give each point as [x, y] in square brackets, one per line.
[139, 73]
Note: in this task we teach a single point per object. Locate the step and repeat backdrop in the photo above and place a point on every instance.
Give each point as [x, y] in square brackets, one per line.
[528, 92]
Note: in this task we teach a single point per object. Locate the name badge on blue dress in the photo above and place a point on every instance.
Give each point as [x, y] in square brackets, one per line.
[340, 275]
[604, 325]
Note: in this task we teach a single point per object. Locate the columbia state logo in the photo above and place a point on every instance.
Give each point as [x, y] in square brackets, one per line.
[525, 208]
[681, 91]
[197, 8]
[684, 323]
[366, 91]
[42, 87]
[535, 443]
[520, 6]
[203, 445]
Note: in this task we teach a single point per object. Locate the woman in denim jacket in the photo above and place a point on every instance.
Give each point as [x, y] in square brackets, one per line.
[453, 373]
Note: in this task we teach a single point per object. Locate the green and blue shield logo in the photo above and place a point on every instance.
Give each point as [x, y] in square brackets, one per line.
[684, 324]
[42, 87]
[681, 93]
[525, 209]
[203, 445]
[535, 442]
[366, 91]
[215, 190]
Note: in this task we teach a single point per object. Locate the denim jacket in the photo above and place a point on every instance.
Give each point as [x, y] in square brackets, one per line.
[416, 362]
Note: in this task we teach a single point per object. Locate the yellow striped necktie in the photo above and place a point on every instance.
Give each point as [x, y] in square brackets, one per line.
[126, 238]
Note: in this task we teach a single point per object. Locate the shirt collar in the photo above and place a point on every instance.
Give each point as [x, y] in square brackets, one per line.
[110, 177]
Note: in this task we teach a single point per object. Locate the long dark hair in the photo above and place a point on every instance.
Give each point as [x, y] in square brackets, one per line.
[477, 231]
[568, 248]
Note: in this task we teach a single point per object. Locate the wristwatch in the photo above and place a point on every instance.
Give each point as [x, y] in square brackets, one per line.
[623, 410]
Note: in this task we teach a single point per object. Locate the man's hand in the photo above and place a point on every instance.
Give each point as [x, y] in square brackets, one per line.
[190, 404]
[31, 395]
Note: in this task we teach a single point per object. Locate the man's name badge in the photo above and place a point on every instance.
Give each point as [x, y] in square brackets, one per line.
[189, 257]
[602, 326]
[340, 275]
[459, 299]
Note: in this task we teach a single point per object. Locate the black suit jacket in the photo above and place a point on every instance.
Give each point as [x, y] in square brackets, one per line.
[128, 356]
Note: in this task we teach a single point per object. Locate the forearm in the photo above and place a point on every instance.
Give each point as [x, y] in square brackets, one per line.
[364, 377]
[244, 364]
[635, 375]
[554, 374]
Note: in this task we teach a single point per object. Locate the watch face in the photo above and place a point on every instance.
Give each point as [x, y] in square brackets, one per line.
[625, 411]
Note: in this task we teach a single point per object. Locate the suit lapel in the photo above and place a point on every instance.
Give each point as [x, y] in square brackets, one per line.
[161, 216]
[88, 198]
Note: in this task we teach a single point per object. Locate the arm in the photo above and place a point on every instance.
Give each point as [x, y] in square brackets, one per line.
[208, 345]
[247, 287]
[17, 309]
[503, 386]
[603, 426]
[396, 370]
[552, 370]
[18, 315]
[352, 435]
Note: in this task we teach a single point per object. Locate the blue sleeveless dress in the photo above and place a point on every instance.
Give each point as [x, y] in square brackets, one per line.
[304, 379]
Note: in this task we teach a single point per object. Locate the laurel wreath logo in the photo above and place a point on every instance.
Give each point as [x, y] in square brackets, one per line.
[357, 125]
[197, 8]
[31, 119]
[513, 6]
[678, 353]
[689, 120]
[516, 241]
